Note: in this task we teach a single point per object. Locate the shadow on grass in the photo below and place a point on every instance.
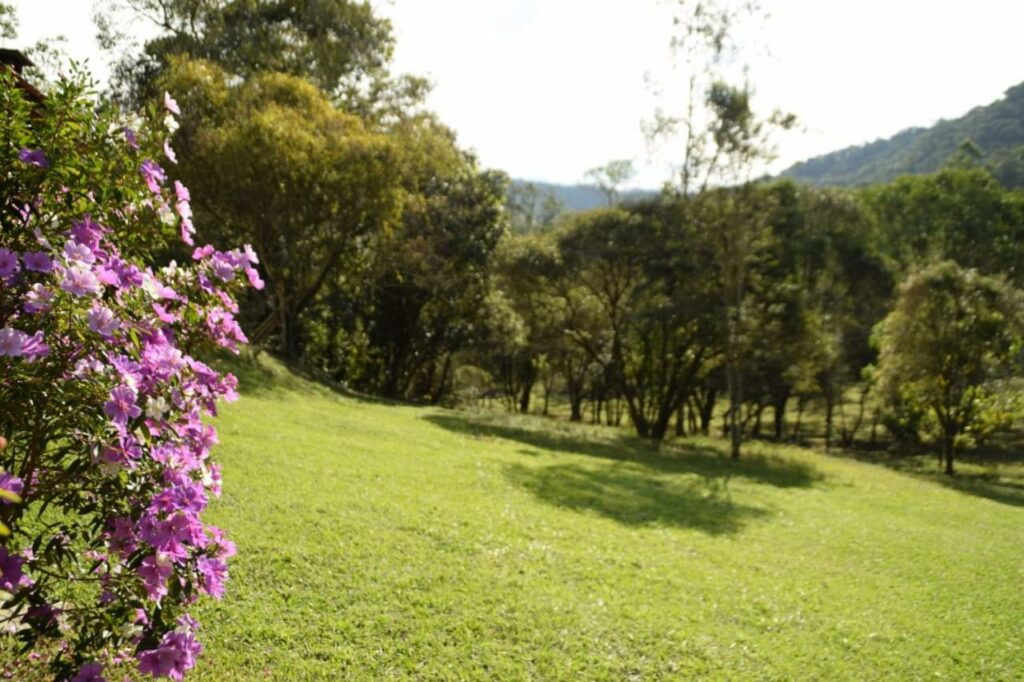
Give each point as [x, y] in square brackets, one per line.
[631, 481]
[628, 493]
[1001, 480]
[991, 486]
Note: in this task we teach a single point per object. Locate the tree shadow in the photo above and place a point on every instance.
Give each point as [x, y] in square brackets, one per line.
[669, 458]
[991, 486]
[631, 481]
[1002, 482]
[631, 495]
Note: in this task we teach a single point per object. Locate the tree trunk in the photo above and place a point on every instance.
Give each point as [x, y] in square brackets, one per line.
[947, 452]
[779, 413]
[735, 405]
[829, 408]
[707, 411]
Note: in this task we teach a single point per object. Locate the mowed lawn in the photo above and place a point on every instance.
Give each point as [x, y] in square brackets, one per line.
[380, 541]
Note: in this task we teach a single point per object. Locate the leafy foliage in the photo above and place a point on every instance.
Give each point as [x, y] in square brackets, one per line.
[101, 394]
[995, 130]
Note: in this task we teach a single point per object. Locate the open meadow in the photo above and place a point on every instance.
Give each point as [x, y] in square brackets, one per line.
[381, 541]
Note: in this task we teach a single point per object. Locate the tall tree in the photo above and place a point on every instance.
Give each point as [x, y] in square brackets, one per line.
[272, 162]
[341, 46]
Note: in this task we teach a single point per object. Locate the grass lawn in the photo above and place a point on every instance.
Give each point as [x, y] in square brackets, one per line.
[380, 541]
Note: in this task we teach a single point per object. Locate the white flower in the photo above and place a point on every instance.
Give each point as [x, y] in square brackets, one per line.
[156, 408]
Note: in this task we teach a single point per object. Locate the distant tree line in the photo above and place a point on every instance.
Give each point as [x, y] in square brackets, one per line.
[396, 264]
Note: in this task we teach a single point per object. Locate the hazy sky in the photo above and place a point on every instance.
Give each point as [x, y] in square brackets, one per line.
[545, 89]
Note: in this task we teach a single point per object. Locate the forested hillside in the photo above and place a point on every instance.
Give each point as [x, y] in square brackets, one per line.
[992, 136]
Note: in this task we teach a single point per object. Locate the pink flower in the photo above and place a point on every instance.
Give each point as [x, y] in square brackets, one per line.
[170, 104]
[169, 152]
[181, 191]
[80, 281]
[154, 573]
[173, 658]
[187, 231]
[78, 253]
[102, 321]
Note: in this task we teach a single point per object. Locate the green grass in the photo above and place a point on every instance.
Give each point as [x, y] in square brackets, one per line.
[380, 541]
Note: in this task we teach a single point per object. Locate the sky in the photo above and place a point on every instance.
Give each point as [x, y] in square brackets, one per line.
[546, 89]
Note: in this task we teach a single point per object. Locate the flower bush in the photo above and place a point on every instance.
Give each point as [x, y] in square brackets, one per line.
[105, 468]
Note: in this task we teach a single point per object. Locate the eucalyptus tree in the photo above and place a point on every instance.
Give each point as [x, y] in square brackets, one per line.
[723, 142]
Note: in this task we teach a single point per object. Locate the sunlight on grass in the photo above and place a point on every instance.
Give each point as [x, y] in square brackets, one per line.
[380, 541]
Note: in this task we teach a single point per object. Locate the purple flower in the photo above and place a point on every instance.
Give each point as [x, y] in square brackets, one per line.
[35, 346]
[8, 262]
[37, 261]
[80, 281]
[37, 299]
[153, 174]
[170, 104]
[11, 484]
[214, 573]
[131, 139]
[169, 152]
[121, 407]
[173, 658]
[102, 321]
[223, 268]
[90, 672]
[154, 573]
[254, 279]
[188, 230]
[78, 253]
[33, 157]
[87, 231]
[12, 342]
[11, 575]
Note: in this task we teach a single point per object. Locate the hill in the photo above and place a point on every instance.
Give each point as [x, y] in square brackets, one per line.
[582, 197]
[382, 541]
[994, 133]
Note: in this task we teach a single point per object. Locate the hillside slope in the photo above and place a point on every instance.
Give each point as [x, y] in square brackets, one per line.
[379, 541]
[996, 129]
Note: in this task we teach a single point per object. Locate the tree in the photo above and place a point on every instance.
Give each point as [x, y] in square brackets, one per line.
[610, 177]
[658, 315]
[274, 163]
[951, 336]
[723, 140]
[425, 296]
[340, 46]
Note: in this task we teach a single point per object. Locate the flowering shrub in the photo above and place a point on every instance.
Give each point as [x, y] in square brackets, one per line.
[106, 466]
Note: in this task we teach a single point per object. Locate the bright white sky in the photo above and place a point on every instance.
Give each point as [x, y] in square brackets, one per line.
[545, 89]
